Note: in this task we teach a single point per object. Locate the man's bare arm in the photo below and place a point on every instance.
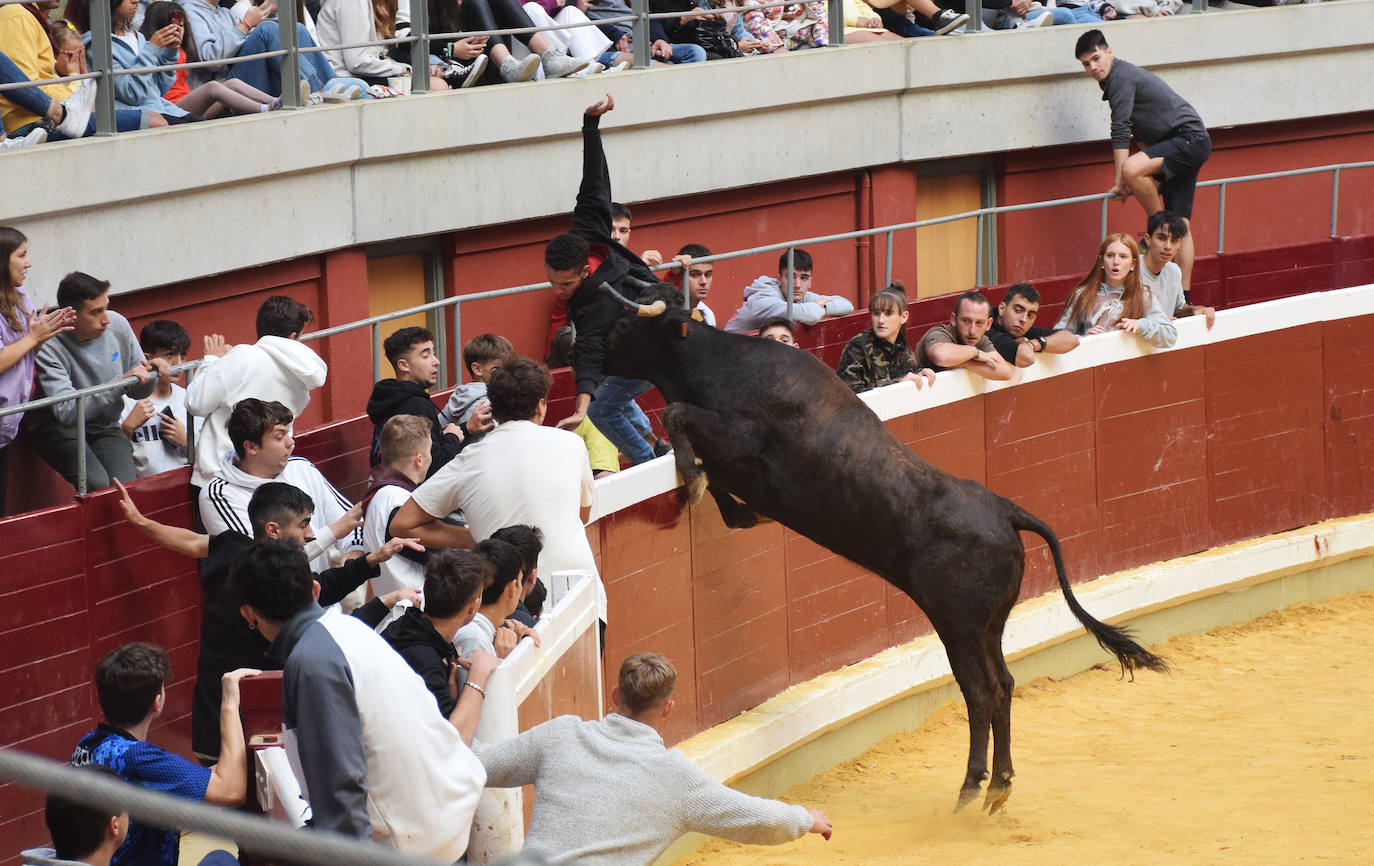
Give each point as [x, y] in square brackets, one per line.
[951, 355]
[196, 545]
[990, 365]
[412, 521]
[229, 777]
[1060, 342]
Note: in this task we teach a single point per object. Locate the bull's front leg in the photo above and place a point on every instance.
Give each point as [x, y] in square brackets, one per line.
[684, 423]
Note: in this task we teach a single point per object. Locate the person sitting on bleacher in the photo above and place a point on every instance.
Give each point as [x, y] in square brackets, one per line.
[377, 759]
[277, 367]
[261, 436]
[1112, 297]
[468, 405]
[411, 354]
[131, 685]
[764, 298]
[1014, 332]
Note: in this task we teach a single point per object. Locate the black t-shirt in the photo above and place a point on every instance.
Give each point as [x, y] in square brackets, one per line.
[1006, 344]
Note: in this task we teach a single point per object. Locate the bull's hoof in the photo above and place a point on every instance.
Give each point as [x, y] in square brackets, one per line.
[998, 794]
[967, 795]
[696, 488]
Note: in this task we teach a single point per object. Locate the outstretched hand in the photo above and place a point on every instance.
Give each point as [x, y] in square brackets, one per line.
[601, 107]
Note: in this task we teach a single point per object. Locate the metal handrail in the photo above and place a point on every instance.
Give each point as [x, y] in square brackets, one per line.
[452, 304]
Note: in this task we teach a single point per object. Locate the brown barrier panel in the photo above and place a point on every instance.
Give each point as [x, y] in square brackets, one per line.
[1354, 262]
[1348, 365]
[1264, 429]
[1041, 454]
[1151, 437]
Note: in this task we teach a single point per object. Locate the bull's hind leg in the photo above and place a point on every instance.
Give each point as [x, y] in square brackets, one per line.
[999, 785]
[684, 423]
[971, 672]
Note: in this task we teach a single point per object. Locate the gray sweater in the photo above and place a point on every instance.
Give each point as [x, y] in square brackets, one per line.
[607, 793]
[66, 364]
[1144, 106]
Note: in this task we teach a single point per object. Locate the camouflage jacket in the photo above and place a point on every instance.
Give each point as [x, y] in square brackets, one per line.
[869, 362]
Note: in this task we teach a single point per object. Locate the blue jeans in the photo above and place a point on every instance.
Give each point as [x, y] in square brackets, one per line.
[35, 101]
[616, 414]
[265, 74]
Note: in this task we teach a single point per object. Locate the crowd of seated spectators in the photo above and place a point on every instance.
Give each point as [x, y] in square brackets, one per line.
[35, 46]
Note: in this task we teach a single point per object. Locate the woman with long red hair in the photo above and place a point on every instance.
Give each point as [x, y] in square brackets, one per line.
[1112, 297]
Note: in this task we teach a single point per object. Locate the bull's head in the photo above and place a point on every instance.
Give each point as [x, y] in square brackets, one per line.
[640, 341]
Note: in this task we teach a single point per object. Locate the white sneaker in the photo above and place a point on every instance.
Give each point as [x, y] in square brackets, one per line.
[37, 135]
[513, 70]
[559, 65]
[78, 107]
[593, 68]
[1044, 19]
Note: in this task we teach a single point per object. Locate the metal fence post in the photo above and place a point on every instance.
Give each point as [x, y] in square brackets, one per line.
[102, 61]
[978, 251]
[1335, 198]
[791, 281]
[836, 22]
[291, 62]
[887, 267]
[640, 37]
[419, 48]
[458, 341]
[81, 436]
[1221, 219]
[376, 351]
[1199, 5]
[975, 16]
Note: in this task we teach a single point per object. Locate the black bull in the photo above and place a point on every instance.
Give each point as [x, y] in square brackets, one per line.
[770, 431]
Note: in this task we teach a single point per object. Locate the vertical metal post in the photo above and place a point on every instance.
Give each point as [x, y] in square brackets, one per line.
[640, 37]
[81, 426]
[1103, 235]
[457, 350]
[1199, 6]
[887, 267]
[291, 62]
[102, 62]
[791, 281]
[419, 47]
[1335, 198]
[975, 16]
[458, 341]
[836, 21]
[376, 351]
[1221, 219]
[978, 251]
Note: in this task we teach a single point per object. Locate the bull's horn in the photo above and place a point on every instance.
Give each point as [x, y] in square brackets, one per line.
[657, 308]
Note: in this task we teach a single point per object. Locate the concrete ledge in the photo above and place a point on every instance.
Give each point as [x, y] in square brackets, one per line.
[252, 190]
[837, 716]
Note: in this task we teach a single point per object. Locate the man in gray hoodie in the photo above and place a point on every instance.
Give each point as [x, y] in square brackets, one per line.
[100, 348]
[764, 299]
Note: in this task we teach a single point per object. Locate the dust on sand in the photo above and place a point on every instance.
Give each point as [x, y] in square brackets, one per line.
[1259, 748]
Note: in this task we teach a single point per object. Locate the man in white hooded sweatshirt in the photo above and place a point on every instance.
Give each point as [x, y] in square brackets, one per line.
[278, 367]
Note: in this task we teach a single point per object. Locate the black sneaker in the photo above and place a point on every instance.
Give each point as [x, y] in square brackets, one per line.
[459, 76]
[946, 20]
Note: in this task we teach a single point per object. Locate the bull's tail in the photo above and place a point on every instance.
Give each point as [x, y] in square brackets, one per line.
[1113, 639]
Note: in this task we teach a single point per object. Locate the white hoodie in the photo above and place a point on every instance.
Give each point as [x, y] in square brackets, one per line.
[272, 369]
[224, 503]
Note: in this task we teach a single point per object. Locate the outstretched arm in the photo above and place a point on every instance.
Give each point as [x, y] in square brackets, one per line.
[592, 215]
[174, 538]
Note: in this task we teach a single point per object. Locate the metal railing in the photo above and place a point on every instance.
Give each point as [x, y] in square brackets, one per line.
[453, 304]
[419, 38]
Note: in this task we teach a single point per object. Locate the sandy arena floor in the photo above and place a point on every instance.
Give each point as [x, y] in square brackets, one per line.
[1258, 749]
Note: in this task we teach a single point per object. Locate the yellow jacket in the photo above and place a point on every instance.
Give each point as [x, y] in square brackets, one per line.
[23, 41]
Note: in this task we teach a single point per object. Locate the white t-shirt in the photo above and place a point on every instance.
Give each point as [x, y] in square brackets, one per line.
[1166, 286]
[151, 454]
[397, 572]
[522, 473]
